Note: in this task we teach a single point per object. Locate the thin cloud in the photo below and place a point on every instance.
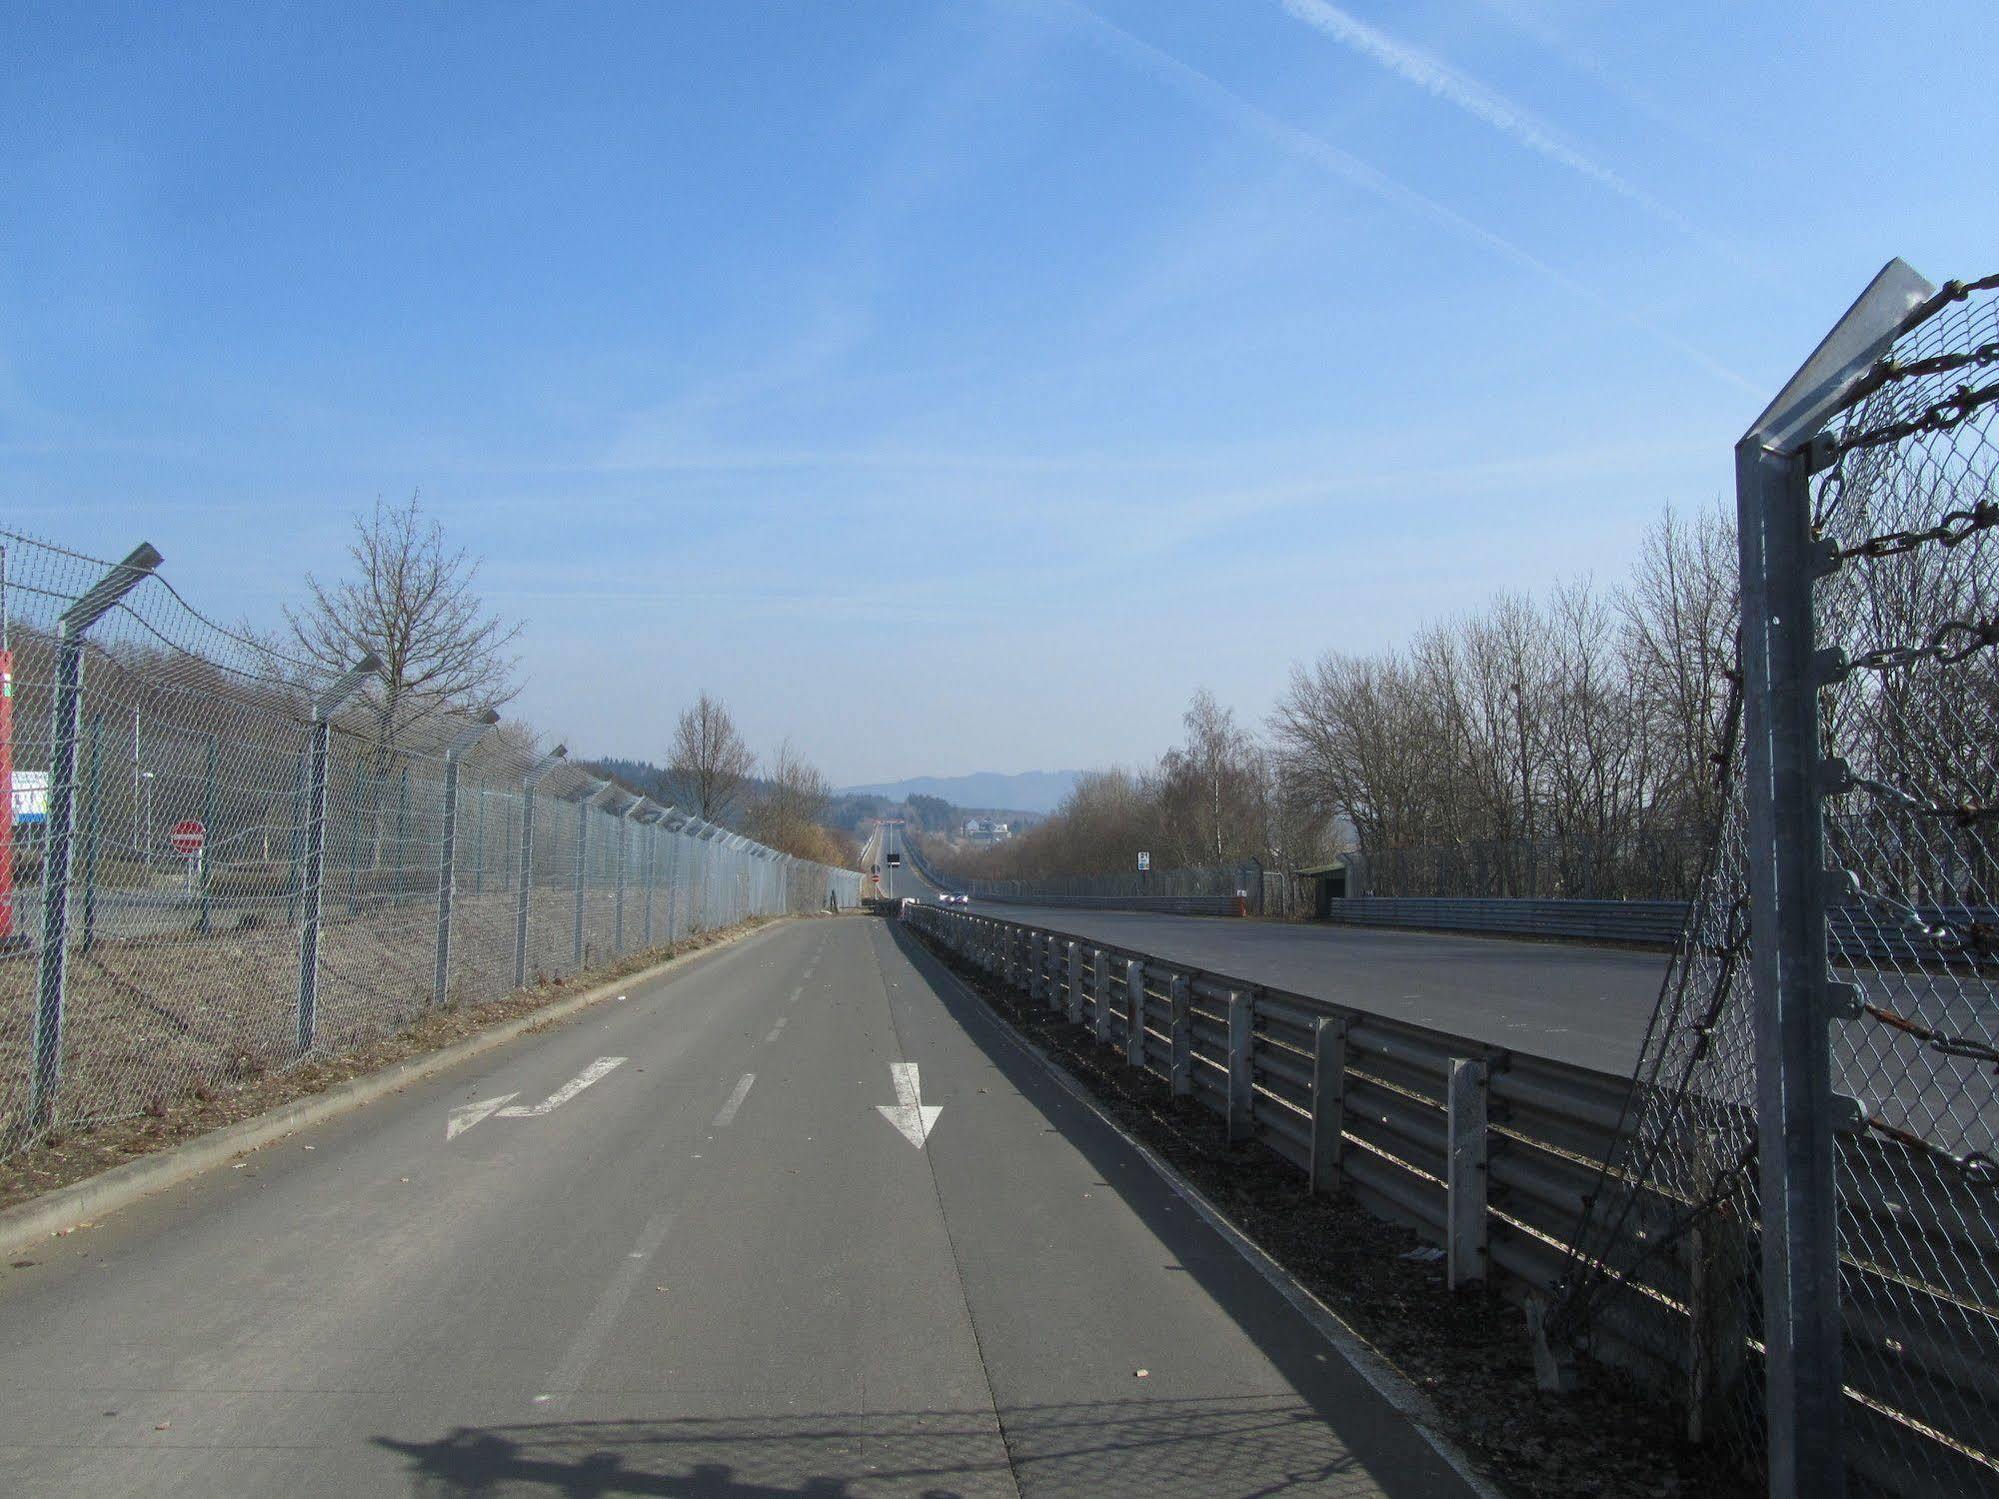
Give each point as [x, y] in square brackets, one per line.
[1438, 78]
[1231, 106]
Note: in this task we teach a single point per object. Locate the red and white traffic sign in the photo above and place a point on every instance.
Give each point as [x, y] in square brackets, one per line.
[188, 837]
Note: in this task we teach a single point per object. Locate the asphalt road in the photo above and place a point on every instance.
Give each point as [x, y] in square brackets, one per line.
[1586, 1005]
[716, 1269]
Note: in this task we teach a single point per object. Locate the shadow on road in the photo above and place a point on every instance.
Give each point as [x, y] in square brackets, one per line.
[1174, 1449]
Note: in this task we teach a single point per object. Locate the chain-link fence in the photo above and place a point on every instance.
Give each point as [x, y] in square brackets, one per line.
[1800, 1227]
[221, 862]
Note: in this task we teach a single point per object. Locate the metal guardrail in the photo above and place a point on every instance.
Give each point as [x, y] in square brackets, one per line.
[1494, 1155]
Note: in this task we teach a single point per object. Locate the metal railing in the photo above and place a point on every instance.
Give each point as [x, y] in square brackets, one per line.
[227, 862]
[1496, 1156]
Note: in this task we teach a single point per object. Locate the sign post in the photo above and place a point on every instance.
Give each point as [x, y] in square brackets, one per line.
[189, 837]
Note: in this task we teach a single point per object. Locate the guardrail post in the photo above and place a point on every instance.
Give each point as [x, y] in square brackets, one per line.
[524, 895]
[1074, 996]
[1718, 1265]
[1180, 995]
[60, 827]
[1329, 1102]
[1134, 1013]
[1464, 1173]
[1034, 975]
[1100, 998]
[314, 877]
[447, 859]
[1242, 1067]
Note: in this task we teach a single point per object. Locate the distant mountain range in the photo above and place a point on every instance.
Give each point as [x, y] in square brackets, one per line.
[1030, 791]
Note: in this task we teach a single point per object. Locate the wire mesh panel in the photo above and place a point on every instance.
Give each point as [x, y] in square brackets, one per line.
[1670, 1264]
[1910, 508]
[219, 862]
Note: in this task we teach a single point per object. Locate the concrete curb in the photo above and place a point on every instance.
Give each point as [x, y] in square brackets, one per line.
[40, 1218]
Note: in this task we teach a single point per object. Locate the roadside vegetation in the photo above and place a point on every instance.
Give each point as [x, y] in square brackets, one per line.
[1555, 746]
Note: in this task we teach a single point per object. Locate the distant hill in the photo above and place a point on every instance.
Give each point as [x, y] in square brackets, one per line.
[1030, 791]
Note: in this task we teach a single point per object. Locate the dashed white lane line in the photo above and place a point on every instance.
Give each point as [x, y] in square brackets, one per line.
[778, 1029]
[583, 1348]
[792, 997]
[735, 1102]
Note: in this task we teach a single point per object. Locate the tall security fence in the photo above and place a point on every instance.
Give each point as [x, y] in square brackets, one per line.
[224, 860]
[1808, 1169]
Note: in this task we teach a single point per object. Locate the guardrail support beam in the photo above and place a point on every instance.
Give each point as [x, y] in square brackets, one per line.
[1181, 996]
[1465, 1174]
[1242, 1070]
[1074, 993]
[1100, 999]
[1134, 1014]
[1329, 1106]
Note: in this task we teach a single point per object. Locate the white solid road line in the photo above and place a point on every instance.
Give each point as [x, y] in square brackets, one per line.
[595, 1072]
[909, 1113]
[728, 1114]
[468, 1114]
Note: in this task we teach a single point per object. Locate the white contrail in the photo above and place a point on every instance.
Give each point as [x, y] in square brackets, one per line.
[1198, 86]
[1438, 78]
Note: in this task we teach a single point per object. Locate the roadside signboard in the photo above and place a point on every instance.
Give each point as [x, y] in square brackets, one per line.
[31, 796]
[188, 837]
[1144, 862]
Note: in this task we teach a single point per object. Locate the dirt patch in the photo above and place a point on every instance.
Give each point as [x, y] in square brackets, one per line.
[74, 1153]
[1468, 1351]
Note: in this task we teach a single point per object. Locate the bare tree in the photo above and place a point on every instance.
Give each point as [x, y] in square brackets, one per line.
[410, 600]
[788, 811]
[709, 758]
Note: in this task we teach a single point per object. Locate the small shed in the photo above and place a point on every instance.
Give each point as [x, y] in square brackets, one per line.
[1329, 882]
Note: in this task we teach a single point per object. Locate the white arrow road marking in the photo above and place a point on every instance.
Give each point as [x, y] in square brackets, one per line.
[735, 1102]
[909, 1113]
[466, 1115]
[595, 1072]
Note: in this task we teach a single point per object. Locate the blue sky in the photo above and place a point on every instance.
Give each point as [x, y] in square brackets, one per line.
[949, 386]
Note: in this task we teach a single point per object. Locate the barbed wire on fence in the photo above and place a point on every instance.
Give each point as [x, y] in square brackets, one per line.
[230, 902]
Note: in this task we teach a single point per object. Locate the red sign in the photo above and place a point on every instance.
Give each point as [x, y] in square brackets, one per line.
[187, 837]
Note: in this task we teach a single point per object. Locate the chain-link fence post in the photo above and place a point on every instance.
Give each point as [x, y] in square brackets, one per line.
[60, 825]
[523, 897]
[313, 876]
[447, 857]
[624, 862]
[585, 804]
[95, 835]
[207, 851]
[1797, 1114]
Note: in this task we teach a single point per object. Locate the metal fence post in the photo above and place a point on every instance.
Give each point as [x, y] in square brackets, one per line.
[1242, 1041]
[59, 829]
[1464, 1173]
[1329, 1102]
[1134, 1014]
[624, 858]
[447, 858]
[208, 838]
[1796, 1113]
[1181, 997]
[523, 895]
[94, 833]
[584, 806]
[652, 860]
[313, 877]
